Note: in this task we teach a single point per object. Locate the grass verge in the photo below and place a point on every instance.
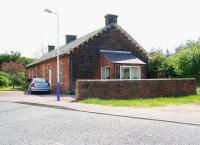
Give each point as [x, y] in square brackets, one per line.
[150, 102]
[9, 88]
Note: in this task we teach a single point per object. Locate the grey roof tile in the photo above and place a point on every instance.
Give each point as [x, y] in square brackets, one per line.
[65, 49]
[122, 58]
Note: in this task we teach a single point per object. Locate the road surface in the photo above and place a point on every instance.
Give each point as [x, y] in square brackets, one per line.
[22, 124]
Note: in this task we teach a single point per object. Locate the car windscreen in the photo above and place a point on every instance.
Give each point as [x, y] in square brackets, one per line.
[40, 80]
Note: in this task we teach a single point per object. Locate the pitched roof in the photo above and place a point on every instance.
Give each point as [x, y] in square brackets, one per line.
[122, 57]
[65, 49]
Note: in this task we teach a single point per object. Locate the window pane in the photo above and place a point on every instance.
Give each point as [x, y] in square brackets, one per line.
[135, 73]
[105, 73]
[61, 73]
[61, 68]
[61, 78]
[125, 73]
[40, 80]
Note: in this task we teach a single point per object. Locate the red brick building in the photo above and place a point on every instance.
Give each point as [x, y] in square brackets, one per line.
[107, 53]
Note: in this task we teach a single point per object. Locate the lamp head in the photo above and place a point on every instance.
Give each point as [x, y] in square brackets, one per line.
[48, 10]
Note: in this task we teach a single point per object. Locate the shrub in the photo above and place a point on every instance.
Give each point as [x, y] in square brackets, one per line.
[160, 64]
[4, 81]
[187, 59]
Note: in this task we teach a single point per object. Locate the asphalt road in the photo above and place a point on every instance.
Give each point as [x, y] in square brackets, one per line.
[33, 125]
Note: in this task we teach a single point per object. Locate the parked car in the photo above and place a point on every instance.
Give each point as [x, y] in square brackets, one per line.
[39, 85]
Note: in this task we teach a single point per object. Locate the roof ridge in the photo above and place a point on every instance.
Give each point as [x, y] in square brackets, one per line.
[65, 49]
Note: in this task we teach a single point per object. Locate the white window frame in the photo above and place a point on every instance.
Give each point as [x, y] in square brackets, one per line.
[50, 76]
[104, 68]
[122, 66]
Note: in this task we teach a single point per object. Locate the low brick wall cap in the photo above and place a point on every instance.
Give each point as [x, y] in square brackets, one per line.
[163, 79]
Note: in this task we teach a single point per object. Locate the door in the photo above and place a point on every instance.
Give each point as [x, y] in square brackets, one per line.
[50, 77]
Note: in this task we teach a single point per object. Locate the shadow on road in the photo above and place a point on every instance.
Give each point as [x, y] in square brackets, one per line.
[36, 93]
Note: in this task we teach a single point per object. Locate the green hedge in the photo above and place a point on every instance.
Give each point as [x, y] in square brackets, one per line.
[4, 79]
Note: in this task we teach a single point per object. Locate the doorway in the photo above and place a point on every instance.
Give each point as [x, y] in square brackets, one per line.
[50, 77]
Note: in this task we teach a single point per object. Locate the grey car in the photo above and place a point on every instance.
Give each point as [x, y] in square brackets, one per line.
[39, 85]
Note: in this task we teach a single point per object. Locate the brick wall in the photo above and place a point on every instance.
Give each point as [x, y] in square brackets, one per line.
[86, 58]
[115, 68]
[144, 88]
[37, 71]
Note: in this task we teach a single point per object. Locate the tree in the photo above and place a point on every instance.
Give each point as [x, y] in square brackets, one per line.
[160, 64]
[187, 59]
[15, 70]
[25, 60]
[5, 58]
[15, 56]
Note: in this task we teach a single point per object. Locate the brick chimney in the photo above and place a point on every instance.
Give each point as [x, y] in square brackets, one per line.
[70, 38]
[110, 19]
[50, 48]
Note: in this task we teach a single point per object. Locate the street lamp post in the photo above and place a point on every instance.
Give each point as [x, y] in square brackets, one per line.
[58, 53]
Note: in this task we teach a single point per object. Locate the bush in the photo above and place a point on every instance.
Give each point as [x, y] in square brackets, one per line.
[185, 62]
[15, 56]
[160, 64]
[4, 81]
[21, 80]
[187, 59]
[17, 79]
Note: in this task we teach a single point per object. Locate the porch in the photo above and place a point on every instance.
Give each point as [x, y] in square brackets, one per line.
[121, 65]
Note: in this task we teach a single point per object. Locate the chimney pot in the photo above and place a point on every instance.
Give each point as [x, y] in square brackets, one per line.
[110, 19]
[51, 47]
[70, 38]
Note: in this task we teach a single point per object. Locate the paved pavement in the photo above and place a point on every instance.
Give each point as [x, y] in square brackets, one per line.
[189, 114]
[22, 124]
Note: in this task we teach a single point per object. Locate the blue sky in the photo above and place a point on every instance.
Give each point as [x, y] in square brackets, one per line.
[163, 24]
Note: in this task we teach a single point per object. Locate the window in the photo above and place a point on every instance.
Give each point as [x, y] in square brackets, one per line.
[32, 73]
[135, 73]
[40, 80]
[35, 72]
[130, 72]
[61, 73]
[125, 73]
[43, 72]
[50, 75]
[105, 72]
[29, 73]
